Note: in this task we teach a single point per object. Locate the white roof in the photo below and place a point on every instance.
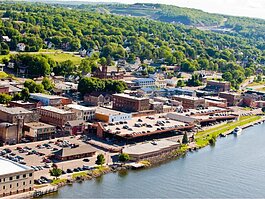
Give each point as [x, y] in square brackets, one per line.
[54, 109]
[8, 167]
[79, 107]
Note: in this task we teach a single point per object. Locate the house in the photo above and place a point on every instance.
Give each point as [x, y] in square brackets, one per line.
[6, 39]
[21, 47]
[97, 98]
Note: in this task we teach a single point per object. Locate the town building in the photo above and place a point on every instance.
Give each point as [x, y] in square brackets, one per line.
[55, 116]
[145, 82]
[74, 153]
[220, 86]
[8, 133]
[148, 150]
[37, 131]
[75, 127]
[189, 102]
[30, 105]
[111, 116]
[98, 99]
[233, 99]
[125, 102]
[50, 100]
[15, 114]
[82, 112]
[15, 178]
[216, 101]
[104, 74]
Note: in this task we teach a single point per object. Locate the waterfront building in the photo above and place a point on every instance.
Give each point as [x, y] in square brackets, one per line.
[233, 99]
[15, 178]
[130, 103]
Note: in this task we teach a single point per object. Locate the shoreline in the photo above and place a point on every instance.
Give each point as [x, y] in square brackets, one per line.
[102, 170]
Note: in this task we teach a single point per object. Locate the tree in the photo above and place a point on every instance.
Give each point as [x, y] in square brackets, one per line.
[47, 84]
[100, 159]
[25, 94]
[55, 171]
[33, 86]
[5, 98]
[124, 157]
[185, 139]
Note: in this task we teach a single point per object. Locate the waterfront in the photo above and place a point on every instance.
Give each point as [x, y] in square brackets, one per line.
[233, 168]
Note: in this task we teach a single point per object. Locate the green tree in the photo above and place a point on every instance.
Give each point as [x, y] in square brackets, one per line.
[55, 171]
[25, 94]
[124, 157]
[47, 84]
[100, 159]
[5, 98]
[185, 139]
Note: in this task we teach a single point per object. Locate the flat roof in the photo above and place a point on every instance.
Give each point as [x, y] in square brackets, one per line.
[152, 120]
[148, 147]
[9, 167]
[106, 111]
[54, 109]
[188, 97]
[22, 102]
[38, 125]
[14, 110]
[46, 96]
[130, 97]
[80, 107]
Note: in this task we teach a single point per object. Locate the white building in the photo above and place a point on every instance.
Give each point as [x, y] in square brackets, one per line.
[15, 178]
[82, 112]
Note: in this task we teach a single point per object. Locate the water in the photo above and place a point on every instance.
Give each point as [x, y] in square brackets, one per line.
[234, 168]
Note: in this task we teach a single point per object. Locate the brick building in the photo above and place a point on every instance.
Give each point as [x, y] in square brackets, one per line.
[126, 102]
[233, 99]
[55, 116]
[189, 102]
[219, 86]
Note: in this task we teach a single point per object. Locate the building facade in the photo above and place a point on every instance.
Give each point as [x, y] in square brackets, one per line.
[37, 131]
[189, 102]
[124, 102]
[82, 112]
[15, 178]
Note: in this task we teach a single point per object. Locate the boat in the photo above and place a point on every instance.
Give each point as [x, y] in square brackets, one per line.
[237, 131]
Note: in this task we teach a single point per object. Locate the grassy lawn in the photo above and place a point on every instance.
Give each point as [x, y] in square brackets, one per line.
[202, 138]
[58, 181]
[60, 57]
[79, 174]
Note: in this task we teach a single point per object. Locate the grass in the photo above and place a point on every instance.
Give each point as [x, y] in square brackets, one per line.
[60, 57]
[58, 181]
[79, 174]
[202, 138]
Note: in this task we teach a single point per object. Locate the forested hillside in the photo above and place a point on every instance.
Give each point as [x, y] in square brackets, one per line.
[117, 37]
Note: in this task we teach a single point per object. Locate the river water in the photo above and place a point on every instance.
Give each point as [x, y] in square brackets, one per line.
[233, 168]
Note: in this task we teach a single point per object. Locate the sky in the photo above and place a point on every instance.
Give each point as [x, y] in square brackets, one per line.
[249, 8]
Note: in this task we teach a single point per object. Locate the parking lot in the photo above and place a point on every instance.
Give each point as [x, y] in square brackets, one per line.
[37, 155]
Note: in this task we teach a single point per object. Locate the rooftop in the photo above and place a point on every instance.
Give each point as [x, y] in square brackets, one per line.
[130, 97]
[14, 110]
[54, 109]
[80, 107]
[8, 166]
[188, 97]
[149, 147]
[144, 80]
[37, 125]
[65, 152]
[46, 96]
[106, 111]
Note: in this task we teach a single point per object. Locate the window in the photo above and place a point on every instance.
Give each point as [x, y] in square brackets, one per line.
[17, 184]
[24, 183]
[17, 177]
[11, 186]
[10, 178]
[30, 174]
[24, 175]
[4, 187]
